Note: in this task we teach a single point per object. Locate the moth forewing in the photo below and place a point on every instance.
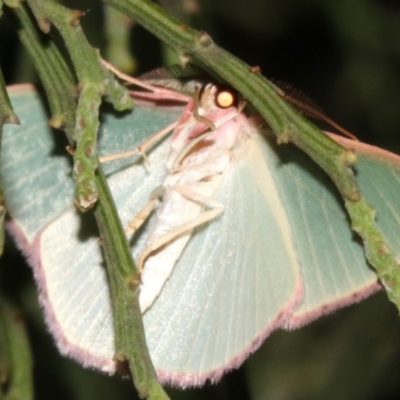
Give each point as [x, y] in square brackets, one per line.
[197, 161]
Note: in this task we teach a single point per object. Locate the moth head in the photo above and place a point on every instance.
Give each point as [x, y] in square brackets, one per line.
[217, 96]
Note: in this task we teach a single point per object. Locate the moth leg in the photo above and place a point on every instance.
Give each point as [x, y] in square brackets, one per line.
[143, 147]
[215, 210]
[142, 215]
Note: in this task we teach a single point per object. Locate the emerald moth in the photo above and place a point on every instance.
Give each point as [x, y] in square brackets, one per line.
[277, 252]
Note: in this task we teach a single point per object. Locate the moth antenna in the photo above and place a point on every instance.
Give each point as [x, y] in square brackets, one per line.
[184, 79]
[174, 71]
[306, 106]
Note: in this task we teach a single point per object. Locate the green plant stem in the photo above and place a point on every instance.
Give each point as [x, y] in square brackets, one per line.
[287, 124]
[57, 79]
[94, 82]
[118, 30]
[12, 3]
[124, 279]
[15, 339]
[7, 115]
[60, 86]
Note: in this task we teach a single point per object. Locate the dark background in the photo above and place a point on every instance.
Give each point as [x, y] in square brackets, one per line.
[345, 55]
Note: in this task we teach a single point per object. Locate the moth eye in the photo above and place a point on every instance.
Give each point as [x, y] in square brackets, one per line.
[225, 98]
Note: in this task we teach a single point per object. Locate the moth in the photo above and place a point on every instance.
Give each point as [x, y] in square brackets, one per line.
[204, 143]
[202, 147]
[245, 242]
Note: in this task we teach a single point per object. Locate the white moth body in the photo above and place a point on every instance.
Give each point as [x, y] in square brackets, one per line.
[196, 163]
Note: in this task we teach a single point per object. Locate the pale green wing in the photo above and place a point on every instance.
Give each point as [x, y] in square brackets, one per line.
[69, 267]
[240, 266]
[236, 281]
[331, 255]
[35, 167]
